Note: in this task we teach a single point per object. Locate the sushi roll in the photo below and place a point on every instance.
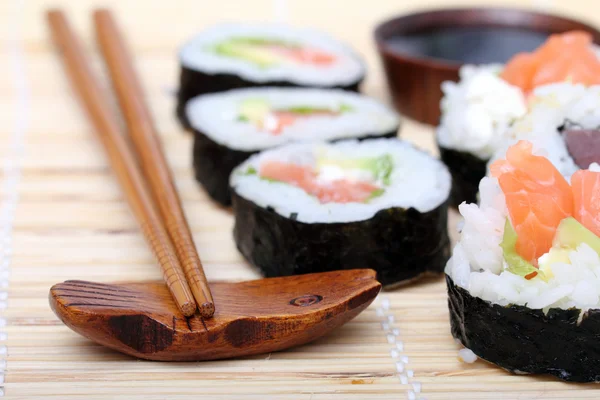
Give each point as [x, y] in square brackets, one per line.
[231, 126]
[244, 55]
[311, 207]
[479, 112]
[524, 278]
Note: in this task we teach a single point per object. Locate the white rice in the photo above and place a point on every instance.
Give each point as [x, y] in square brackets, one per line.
[484, 115]
[347, 70]
[477, 263]
[478, 109]
[417, 180]
[467, 356]
[216, 115]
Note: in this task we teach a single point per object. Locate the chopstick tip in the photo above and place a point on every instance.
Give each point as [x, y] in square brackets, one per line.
[54, 13]
[188, 309]
[207, 310]
[102, 12]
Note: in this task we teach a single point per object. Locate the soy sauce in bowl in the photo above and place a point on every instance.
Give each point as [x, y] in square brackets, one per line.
[469, 45]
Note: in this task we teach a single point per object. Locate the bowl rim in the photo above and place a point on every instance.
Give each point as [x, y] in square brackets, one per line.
[494, 16]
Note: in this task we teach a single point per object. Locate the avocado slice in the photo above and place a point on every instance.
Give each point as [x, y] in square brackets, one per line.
[516, 264]
[254, 110]
[571, 233]
[380, 167]
[250, 171]
[248, 51]
[376, 193]
[261, 41]
[305, 110]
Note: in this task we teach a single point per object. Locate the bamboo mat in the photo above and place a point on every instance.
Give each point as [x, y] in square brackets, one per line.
[62, 217]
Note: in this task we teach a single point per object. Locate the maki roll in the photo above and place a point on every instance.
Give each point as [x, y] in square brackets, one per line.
[532, 89]
[311, 207]
[244, 55]
[231, 126]
[524, 278]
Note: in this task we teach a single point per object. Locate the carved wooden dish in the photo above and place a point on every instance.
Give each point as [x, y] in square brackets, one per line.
[140, 319]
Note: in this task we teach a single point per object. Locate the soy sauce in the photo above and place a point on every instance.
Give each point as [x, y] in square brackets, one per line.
[469, 45]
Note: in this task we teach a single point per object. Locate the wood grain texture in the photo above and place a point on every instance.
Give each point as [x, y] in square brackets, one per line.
[122, 159]
[254, 317]
[150, 155]
[72, 222]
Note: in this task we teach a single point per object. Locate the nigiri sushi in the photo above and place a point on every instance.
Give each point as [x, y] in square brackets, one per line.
[534, 96]
[524, 278]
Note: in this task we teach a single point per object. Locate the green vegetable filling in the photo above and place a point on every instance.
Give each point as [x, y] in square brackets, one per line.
[255, 110]
[571, 233]
[307, 110]
[252, 49]
[262, 41]
[375, 194]
[250, 171]
[516, 264]
[380, 167]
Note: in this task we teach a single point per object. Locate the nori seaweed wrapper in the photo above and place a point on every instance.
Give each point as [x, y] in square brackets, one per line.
[523, 340]
[214, 162]
[400, 244]
[467, 170]
[193, 82]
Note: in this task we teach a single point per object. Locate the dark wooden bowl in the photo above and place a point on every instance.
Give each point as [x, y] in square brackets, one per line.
[414, 80]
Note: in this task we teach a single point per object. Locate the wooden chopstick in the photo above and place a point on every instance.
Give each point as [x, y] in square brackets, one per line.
[150, 154]
[122, 159]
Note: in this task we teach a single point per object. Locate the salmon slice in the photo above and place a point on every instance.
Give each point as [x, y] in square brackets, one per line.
[576, 68]
[297, 175]
[520, 71]
[563, 57]
[563, 42]
[537, 196]
[552, 72]
[304, 55]
[586, 195]
[276, 121]
[304, 177]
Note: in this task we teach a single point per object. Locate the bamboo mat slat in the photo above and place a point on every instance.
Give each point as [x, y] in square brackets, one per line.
[62, 217]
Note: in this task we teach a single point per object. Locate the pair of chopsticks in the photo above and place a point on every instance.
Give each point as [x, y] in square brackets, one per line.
[150, 191]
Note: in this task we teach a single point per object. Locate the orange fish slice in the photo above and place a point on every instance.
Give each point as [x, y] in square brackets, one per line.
[563, 57]
[338, 191]
[586, 195]
[537, 196]
[520, 71]
[305, 55]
